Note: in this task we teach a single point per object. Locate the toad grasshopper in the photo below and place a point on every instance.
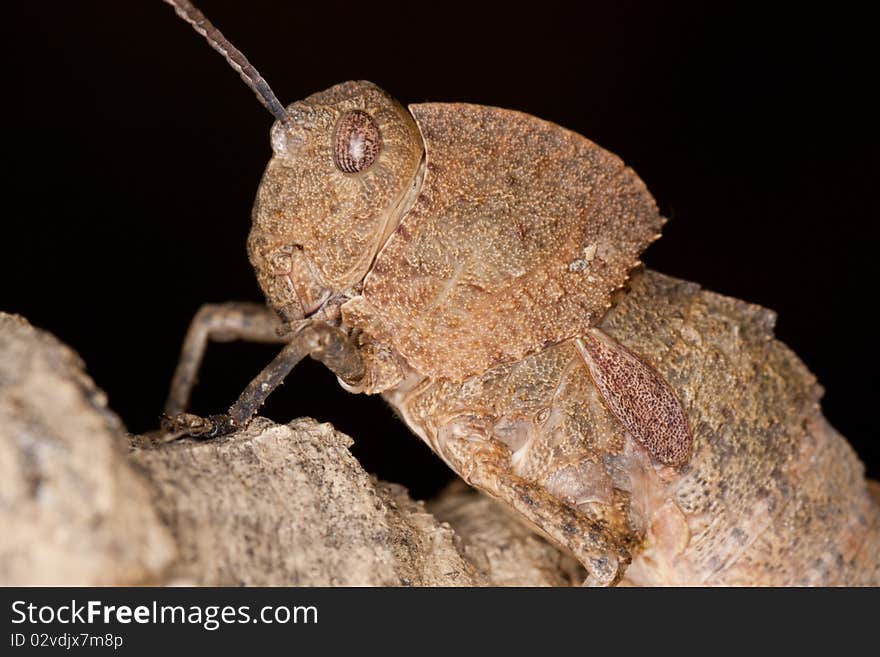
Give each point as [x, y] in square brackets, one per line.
[458, 260]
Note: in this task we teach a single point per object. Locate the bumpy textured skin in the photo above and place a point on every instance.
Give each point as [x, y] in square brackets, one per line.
[771, 495]
[520, 234]
[471, 281]
[316, 229]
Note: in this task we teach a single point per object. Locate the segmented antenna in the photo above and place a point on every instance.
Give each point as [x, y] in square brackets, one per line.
[251, 76]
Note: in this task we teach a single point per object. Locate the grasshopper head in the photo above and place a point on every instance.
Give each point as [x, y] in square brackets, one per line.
[344, 161]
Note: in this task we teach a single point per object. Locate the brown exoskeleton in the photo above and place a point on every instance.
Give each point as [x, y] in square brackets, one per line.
[457, 260]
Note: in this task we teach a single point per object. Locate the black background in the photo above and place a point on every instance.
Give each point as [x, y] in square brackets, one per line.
[133, 155]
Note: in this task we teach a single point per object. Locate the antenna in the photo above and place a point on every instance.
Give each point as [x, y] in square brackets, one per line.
[251, 76]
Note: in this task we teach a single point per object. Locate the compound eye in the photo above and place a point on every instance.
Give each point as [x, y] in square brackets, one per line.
[357, 141]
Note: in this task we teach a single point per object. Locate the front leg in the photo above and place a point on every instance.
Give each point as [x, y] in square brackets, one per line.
[485, 464]
[218, 323]
[319, 340]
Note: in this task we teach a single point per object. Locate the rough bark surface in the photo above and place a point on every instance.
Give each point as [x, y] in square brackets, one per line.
[72, 509]
[500, 546]
[290, 505]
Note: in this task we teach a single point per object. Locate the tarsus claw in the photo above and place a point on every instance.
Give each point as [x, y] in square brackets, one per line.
[187, 424]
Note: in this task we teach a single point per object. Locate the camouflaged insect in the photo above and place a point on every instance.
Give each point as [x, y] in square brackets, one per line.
[457, 259]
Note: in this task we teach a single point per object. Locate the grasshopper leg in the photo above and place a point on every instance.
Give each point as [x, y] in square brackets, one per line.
[317, 339]
[223, 322]
[485, 464]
